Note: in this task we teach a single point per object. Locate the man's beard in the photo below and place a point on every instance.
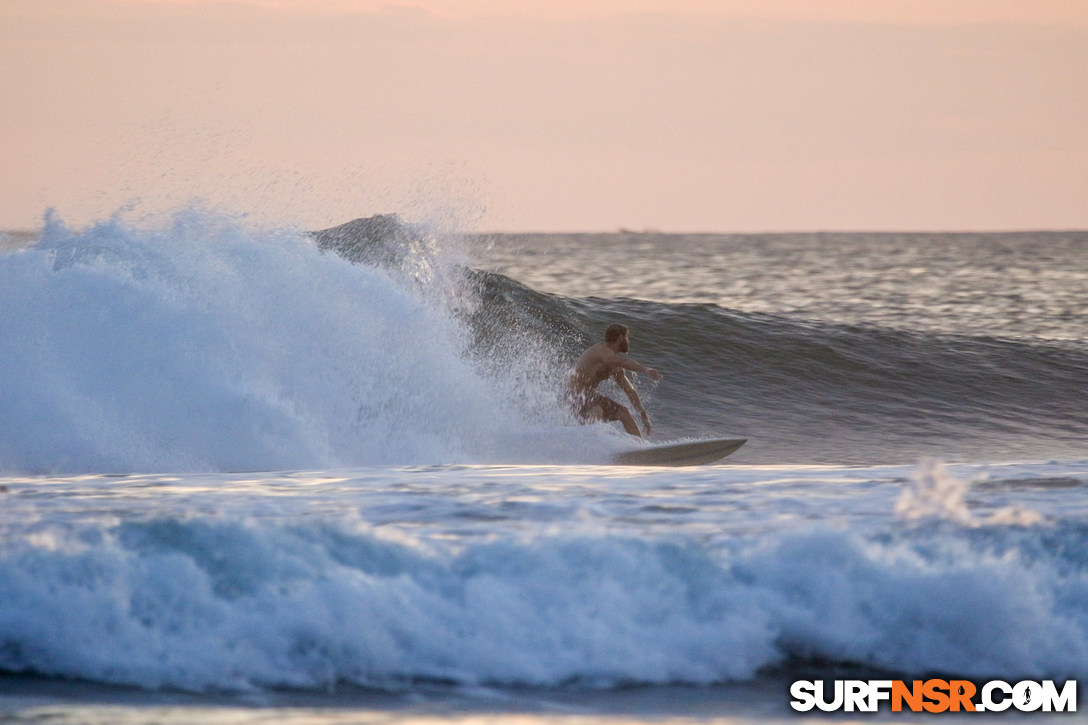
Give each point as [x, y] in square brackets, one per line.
[624, 347]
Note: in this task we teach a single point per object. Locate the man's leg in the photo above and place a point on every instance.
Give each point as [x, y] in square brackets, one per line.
[590, 413]
[629, 424]
[611, 410]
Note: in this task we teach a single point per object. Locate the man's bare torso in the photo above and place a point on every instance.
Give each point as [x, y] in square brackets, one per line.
[593, 368]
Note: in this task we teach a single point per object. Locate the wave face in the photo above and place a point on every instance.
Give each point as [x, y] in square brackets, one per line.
[837, 394]
[817, 392]
[204, 345]
[836, 347]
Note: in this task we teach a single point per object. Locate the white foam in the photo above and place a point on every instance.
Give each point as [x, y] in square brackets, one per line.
[159, 604]
[517, 576]
[204, 345]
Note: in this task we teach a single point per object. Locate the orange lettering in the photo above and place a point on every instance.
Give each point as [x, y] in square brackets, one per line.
[901, 692]
[933, 690]
[961, 692]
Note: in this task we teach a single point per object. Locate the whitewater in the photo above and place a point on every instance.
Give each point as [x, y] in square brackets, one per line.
[323, 477]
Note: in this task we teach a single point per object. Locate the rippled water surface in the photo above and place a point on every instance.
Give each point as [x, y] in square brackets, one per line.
[1006, 285]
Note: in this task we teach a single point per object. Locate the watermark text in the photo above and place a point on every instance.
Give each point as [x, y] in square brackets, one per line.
[933, 696]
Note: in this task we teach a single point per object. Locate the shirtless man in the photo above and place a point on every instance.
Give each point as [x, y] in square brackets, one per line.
[597, 364]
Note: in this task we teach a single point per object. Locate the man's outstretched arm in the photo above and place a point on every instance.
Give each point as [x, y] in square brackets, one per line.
[627, 363]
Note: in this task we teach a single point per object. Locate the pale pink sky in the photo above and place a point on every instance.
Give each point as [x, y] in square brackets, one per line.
[680, 115]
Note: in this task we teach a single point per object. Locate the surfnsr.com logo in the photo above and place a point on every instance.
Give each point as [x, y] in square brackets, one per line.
[933, 696]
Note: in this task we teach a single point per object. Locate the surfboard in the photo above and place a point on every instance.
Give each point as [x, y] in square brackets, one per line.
[695, 453]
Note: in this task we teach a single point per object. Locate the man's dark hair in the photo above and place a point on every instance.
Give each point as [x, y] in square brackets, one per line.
[614, 332]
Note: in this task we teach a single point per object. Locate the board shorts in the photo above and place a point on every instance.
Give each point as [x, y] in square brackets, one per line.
[583, 407]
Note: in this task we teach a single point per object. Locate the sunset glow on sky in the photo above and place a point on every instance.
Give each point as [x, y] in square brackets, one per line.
[514, 115]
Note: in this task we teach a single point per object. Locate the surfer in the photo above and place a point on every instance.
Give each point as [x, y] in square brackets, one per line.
[597, 364]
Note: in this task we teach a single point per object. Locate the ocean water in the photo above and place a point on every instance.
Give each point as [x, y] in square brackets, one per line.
[253, 474]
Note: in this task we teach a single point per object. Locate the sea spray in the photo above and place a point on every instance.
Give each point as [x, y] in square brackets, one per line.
[205, 345]
[522, 350]
[935, 493]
